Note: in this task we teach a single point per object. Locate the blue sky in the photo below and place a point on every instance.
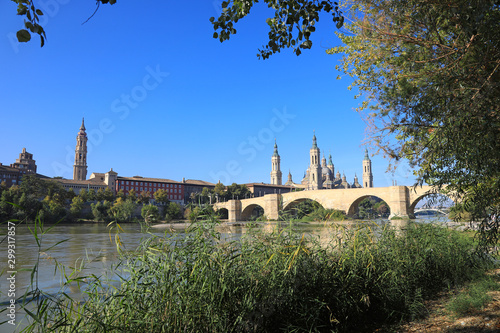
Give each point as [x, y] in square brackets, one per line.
[162, 98]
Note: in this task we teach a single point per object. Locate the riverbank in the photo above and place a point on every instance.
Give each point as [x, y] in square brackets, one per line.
[440, 317]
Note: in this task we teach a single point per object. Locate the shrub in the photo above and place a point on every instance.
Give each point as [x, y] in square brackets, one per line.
[150, 213]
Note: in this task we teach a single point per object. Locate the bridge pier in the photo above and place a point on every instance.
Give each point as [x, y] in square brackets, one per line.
[234, 210]
[272, 206]
[399, 202]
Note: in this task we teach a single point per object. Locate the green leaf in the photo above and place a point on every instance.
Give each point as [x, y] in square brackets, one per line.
[23, 36]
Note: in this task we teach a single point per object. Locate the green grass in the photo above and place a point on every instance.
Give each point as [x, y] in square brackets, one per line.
[474, 296]
[268, 282]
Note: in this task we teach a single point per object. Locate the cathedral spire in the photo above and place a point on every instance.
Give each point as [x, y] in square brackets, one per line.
[275, 149]
[315, 144]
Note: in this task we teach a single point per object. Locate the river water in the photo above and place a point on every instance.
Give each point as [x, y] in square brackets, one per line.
[94, 246]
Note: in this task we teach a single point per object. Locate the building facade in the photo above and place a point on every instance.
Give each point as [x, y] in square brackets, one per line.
[96, 182]
[9, 176]
[260, 189]
[141, 184]
[321, 174]
[193, 186]
[25, 163]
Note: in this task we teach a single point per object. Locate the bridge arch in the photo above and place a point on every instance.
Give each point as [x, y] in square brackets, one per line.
[418, 198]
[248, 211]
[353, 207]
[223, 213]
[291, 205]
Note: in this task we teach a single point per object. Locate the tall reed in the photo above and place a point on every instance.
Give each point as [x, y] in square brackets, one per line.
[268, 282]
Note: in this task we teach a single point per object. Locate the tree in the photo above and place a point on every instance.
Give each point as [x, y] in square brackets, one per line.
[121, 194]
[161, 196]
[144, 197]
[132, 194]
[122, 210]
[150, 213]
[84, 195]
[76, 206]
[108, 194]
[27, 9]
[430, 72]
[292, 25]
[99, 195]
[173, 211]
[237, 191]
[101, 210]
[219, 190]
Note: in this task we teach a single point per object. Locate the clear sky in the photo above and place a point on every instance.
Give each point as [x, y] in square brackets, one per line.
[162, 98]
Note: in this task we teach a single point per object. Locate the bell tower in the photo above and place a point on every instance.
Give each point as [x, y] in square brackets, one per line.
[276, 172]
[367, 171]
[80, 167]
[315, 177]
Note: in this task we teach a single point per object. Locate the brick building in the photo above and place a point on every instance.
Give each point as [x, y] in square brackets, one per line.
[140, 184]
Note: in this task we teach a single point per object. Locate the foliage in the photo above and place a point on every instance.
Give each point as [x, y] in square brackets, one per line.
[173, 211]
[266, 282]
[101, 211]
[219, 190]
[161, 196]
[121, 194]
[27, 9]
[292, 25]
[132, 194]
[122, 210]
[310, 210]
[458, 213]
[104, 194]
[236, 191]
[144, 197]
[150, 213]
[32, 196]
[430, 72]
[76, 206]
[372, 207]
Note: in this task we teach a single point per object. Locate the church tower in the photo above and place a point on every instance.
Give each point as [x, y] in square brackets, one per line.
[315, 174]
[367, 171]
[276, 172]
[330, 165]
[80, 167]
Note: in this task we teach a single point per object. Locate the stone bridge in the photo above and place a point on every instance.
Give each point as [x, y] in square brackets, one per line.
[400, 199]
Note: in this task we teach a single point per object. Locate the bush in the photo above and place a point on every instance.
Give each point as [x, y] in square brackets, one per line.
[150, 213]
[173, 211]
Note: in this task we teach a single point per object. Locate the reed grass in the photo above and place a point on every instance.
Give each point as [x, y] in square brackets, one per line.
[268, 282]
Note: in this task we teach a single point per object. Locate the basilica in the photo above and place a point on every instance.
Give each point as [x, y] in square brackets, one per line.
[321, 175]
